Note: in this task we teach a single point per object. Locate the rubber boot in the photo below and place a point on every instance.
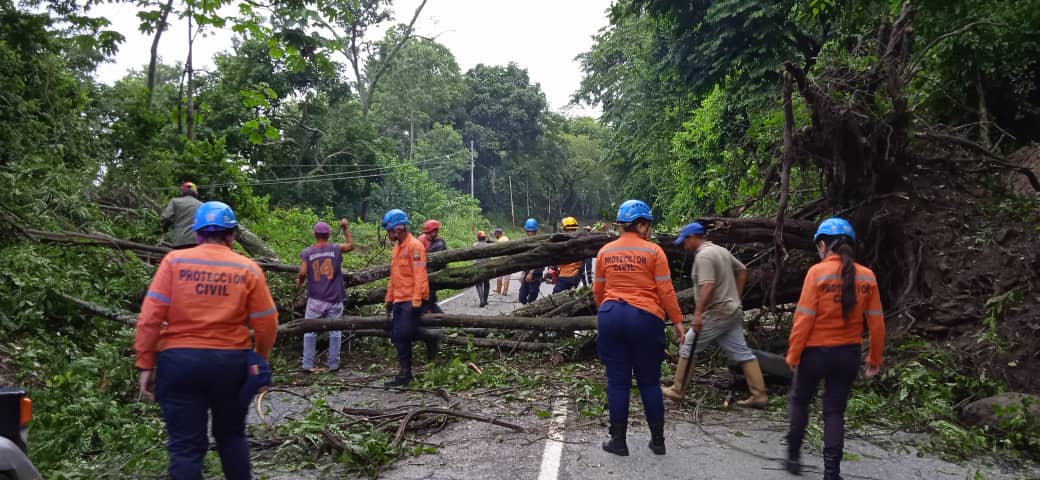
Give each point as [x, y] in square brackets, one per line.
[404, 377]
[617, 444]
[832, 463]
[756, 384]
[433, 344]
[793, 462]
[657, 437]
[678, 388]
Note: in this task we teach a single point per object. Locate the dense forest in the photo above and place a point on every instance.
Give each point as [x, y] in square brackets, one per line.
[917, 122]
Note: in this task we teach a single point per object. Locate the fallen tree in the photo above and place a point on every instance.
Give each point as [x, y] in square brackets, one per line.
[569, 324]
[152, 252]
[465, 340]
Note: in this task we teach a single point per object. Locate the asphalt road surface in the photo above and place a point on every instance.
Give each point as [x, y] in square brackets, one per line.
[736, 444]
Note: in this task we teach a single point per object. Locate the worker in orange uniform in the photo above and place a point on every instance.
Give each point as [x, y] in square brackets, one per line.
[719, 280]
[432, 240]
[633, 289]
[838, 297]
[568, 273]
[194, 350]
[405, 295]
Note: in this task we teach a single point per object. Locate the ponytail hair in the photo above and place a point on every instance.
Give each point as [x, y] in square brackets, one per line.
[843, 246]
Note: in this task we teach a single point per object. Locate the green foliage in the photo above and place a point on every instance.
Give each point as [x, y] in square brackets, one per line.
[996, 308]
[86, 423]
[923, 395]
[304, 442]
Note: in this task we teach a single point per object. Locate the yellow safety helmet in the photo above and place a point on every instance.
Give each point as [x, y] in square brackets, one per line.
[570, 223]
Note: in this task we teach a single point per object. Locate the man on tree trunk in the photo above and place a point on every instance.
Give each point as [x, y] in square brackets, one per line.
[179, 215]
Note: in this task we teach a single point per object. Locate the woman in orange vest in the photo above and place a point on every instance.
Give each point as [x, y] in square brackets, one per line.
[838, 297]
[633, 289]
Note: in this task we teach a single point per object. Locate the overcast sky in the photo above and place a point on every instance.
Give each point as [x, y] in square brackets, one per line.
[543, 36]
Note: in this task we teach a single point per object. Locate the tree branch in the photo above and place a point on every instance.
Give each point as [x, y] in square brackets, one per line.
[155, 50]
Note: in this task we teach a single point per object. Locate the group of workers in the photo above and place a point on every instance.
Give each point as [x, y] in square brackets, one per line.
[634, 293]
[198, 359]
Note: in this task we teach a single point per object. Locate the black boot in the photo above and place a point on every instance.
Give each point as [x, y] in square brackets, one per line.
[617, 444]
[657, 437]
[404, 377]
[793, 462]
[433, 345]
[832, 463]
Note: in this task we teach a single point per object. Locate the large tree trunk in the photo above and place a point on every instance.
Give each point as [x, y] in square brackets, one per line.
[301, 326]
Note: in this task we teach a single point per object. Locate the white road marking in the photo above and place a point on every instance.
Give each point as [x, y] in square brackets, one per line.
[554, 444]
[442, 302]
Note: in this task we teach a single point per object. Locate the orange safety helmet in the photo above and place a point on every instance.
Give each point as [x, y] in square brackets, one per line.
[430, 226]
[481, 235]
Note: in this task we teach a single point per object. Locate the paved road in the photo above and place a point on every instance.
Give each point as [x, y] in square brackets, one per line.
[721, 445]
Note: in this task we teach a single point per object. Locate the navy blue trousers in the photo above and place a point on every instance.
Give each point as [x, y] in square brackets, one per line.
[405, 331]
[631, 342]
[565, 283]
[191, 383]
[529, 290]
[837, 367]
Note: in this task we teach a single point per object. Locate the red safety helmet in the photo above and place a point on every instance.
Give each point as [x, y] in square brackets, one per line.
[430, 226]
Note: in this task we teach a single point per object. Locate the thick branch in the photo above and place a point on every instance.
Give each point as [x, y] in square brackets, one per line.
[300, 326]
[159, 29]
[993, 157]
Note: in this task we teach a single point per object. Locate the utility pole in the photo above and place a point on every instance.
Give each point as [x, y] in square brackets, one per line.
[527, 191]
[512, 211]
[472, 164]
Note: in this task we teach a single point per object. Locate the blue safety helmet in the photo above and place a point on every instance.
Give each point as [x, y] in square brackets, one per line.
[394, 218]
[835, 227]
[213, 217]
[694, 228]
[632, 210]
[531, 225]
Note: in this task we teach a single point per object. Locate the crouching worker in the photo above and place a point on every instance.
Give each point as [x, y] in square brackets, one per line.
[633, 288]
[718, 282]
[838, 297]
[321, 269]
[405, 294]
[194, 350]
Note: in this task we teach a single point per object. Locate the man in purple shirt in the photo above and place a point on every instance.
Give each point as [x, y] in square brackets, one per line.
[321, 267]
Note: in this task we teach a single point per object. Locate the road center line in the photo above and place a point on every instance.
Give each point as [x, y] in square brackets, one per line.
[554, 443]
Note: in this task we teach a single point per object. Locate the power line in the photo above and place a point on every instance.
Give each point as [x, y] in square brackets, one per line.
[394, 168]
[324, 179]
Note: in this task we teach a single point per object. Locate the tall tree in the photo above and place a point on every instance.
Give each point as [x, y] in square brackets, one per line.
[421, 87]
[501, 115]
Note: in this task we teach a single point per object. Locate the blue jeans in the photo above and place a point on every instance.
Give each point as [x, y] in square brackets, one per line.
[322, 309]
[631, 342]
[191, 383]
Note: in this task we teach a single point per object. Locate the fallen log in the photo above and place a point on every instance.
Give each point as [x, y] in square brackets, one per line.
[577, 302]
[475, 341]
[441, 259]
[102, 311]
[569, 324]
[149, 251]
[253, 245]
